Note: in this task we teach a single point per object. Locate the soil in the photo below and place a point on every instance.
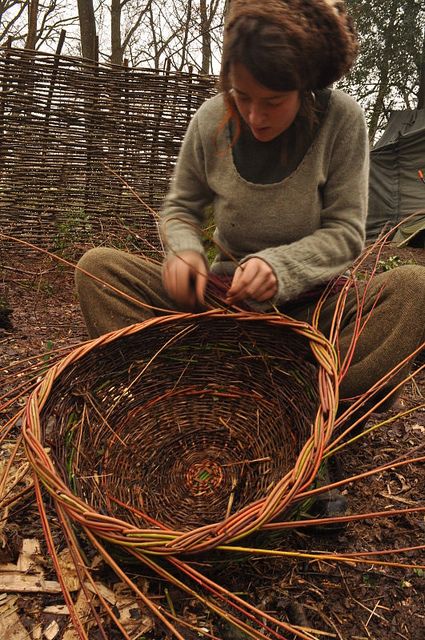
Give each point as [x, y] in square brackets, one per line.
[345, 601]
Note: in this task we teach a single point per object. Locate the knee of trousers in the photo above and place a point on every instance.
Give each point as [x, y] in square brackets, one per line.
[407, 283]
[97, 262]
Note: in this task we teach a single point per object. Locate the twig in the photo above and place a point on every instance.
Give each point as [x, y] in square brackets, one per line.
[27, 273]
[366, 629]
[373, 613]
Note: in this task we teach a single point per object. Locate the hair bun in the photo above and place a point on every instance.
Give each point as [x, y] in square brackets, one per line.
[319, 33]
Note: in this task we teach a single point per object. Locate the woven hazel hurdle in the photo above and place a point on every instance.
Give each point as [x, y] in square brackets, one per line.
[186, 431]
[69, 128]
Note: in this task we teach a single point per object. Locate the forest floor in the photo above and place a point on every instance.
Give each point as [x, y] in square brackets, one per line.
[343, 601]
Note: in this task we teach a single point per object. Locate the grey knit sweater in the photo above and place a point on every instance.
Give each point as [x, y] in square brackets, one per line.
[308, 227]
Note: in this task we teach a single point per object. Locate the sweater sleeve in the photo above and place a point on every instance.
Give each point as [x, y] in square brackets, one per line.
[183, 210]
[332, 248]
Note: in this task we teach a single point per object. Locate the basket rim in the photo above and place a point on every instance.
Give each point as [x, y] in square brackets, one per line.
[161, 539]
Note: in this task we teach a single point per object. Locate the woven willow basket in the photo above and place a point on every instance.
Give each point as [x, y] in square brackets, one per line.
[185, 431]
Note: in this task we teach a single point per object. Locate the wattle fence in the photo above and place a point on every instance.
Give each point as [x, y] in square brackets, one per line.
[72, 133]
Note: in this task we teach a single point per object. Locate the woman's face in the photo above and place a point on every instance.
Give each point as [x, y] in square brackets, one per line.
[268, 113]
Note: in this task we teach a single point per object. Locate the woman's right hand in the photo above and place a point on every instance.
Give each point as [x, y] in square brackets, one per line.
[184, 277]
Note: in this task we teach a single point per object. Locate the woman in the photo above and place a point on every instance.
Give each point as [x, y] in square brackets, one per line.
[284, 161]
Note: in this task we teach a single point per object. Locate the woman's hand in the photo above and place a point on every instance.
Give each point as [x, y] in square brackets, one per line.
[184, 277]
[254, 279]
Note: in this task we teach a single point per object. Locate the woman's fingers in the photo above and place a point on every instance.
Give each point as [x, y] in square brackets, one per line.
[254, 280]
[201, 280]
[176, 280]
[184, 277]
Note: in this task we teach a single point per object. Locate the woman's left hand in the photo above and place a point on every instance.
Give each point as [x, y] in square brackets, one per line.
[254, 280]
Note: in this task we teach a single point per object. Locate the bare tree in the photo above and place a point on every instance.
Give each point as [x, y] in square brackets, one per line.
[207, 14]
[154, 33]
[187, 33]
[155, 43]
[34, 23]
[206, 35]
[11, 12]
[119, 44]
[116, 45]
[87, 29]
[384, 71]
[52, 19]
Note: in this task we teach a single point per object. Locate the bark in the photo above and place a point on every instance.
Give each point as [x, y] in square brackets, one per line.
[87, 29]
[186, 35]
[32, 24]
[207, 12]
[116, 47]
[206, 37]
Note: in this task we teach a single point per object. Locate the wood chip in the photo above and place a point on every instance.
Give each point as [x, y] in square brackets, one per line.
[83, 612]
[20, 577]
[21, 583]
[57, 610]
[29, 557]
[69, 572]
[10, 624]
[51, 631]
[104, 592]
[82, 609]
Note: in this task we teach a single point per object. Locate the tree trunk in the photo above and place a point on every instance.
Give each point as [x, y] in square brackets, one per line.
[116, 45]
[384, 74]
[421, 93]
[186, 35]
[87, 29]
[32, 24]
[206, 37]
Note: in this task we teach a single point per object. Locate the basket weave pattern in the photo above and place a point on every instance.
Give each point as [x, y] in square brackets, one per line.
[185, 431]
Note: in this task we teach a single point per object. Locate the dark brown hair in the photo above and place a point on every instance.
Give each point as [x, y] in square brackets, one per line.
[287, 45]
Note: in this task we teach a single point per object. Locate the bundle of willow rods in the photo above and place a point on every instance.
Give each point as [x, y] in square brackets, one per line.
[185, 431]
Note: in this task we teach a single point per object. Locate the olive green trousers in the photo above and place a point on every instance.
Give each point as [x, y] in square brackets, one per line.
[127, 289]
